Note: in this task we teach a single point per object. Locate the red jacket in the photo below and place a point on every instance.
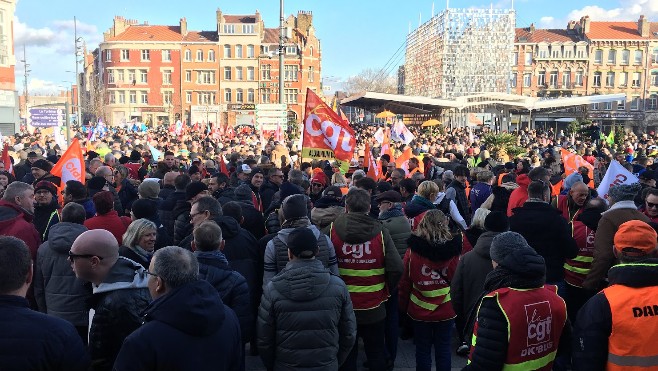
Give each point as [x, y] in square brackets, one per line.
[115, 224]
[520, 195]
[14, 221]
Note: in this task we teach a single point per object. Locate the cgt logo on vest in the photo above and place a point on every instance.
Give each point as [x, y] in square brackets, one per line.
[539, 319]
[358, 250]
[434, 274]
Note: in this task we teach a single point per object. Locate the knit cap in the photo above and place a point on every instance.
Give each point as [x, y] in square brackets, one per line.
[505, 245]
[624, 192]
[496, 221]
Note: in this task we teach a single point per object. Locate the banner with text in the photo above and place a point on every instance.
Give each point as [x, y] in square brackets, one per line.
[616, 175]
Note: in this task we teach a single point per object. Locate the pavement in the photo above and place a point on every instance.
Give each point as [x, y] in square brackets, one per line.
[406, 359]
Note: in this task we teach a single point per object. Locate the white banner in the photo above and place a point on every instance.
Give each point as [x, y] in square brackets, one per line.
[616, 175]
[400, 133]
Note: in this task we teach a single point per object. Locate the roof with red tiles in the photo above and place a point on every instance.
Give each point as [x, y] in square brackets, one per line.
[240, 19]
[271, 36]
[613, 30]
[201, 36]
[148, 33]
[544, 35]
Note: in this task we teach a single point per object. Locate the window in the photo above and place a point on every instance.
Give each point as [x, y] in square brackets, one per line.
[166, 77]
[133, 97]
[597, 79]
[625, 56]
[199, 55]
[654, 56]
[623, 79]
[145, 97]
[598, 56]
[290, 96]
[120, 76]
[211, 55]
[227, 73]
[528, 59]
[652, 102]
[112, 98]
[291, 49]
[635, 103]
[227, 95]
[580, 52]
[607, 106]
[568, 51]
[541, 78]
[621, 105]
[310, 51]
[131, 77]
[555, 52]
[166, 55]
[122, 97]
[566, 79]
[311, 74]
[250, 51]
[146, 55]
[251, 72]
[654, 78]
[290, 73]
[250, 96]
[205, 77]
[188, 76]
[612, 56]
[227, 51]
[110, 77]
[512, 80]
[515, 59]
[579, 77]
[265, 72]
[229, 28]
[527, 78]
[264, 49]
[265, 95]
[553, 79]
[595, 106]
[238, 95]
[206, 97]
[637, 76]
[143, 76]
[637, 58]
[188, 97]
[125, 54]
[247, 28]
[167, 97]
[238, 73]
[188, 55]
[610, 79]
[238, 51]
[108, 55]
[543, 52]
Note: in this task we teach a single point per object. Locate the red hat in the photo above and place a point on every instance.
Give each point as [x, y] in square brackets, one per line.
[319, 178]
[635, 237]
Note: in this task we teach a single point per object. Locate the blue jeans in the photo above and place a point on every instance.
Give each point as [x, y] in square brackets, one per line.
[437, 334]
[392, 325]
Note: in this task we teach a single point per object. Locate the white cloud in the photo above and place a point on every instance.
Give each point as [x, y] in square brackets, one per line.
[28, 36]
[629, 10]
[82, 28]
[38, 86]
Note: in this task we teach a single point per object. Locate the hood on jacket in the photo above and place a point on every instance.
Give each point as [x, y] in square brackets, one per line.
[483, 244]
[417, 206]
[300, 281]
[202, 314]
[284, 233]
[230, 227]
[325, 202]
[434, 251]
[523, 180]
[62, 235]
[10, 212]
[640, 274]
[356, 228]
[125, 274]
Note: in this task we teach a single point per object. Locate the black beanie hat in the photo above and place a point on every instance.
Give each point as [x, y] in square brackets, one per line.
[295, 207]
[194, 189]
[496, 221]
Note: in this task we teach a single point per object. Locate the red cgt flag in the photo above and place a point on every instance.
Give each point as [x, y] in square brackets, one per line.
[325, 134]
[6, 160]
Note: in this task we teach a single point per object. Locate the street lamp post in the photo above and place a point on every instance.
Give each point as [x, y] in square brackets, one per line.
[77, 76]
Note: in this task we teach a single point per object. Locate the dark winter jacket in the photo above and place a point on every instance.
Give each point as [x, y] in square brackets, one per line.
[548, 233]
[305, 320]
[88, 204]
[127, 194]
[166, 209]
[56, 289]
[181, 217]
[132, 254]
[224, 195]
[267, 191]
[45, 216]
[417, 206]
[118, 303]
[30, 340]
[231, 286]
[166, 191]
[14, 221]
[500, 196]
[467, 285]
[594, 324]
[188, 328]
[398, 226]
[354, 228]
[253, 219]
[456, 191]
[479, 193]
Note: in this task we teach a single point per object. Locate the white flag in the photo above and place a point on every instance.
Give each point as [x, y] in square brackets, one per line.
[379, 135]
[616, 175]
[400, 133]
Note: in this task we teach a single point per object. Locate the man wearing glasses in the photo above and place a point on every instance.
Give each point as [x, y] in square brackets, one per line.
[120, 293]
[271, 186]
[650, 208]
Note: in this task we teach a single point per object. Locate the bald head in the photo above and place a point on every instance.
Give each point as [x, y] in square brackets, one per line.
[97, 242]
[579, 193]
[170, 178]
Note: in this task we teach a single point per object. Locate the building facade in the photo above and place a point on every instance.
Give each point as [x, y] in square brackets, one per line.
[9, 115]
[158, 74]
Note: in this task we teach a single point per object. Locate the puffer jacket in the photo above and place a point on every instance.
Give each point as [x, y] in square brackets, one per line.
[305, 319]
[118, 303]
[398, 226]
[276, 251]
[167, 208]
[181, 218]
[201, 335]
[231, 286]
[57, 290]
[326, 210]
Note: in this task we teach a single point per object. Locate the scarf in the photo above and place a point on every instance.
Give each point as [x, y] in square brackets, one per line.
[395, 210]
[143, 253]
[296, 223]
[423, 201]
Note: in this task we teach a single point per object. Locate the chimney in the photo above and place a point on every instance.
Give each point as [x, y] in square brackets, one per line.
[643, 26]
[304, 20]
[532, 27]
[183, 26]
[219, 19]
[119, 26]
[585, 23]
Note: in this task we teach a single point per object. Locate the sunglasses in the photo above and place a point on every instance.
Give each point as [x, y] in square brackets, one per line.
[73, 256]
[651, 205]
[317, 185]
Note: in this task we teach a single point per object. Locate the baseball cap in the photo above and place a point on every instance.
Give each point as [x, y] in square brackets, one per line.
[302, 243]
[635, 237]
[245, 169]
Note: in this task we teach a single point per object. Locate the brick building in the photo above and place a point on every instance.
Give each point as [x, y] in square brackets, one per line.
[9, 116]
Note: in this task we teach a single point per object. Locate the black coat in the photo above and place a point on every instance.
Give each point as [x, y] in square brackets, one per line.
[254, 221]
[181, 217]
[166, 191]
[127, 194]
[548, 233]
[30, 340]
[202, 334]
[267, 191]
[224, 195]
[167, 207]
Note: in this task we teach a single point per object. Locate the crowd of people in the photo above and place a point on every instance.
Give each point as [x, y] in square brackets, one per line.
[188, 251]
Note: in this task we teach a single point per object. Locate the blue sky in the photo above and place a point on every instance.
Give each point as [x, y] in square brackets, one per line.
[355, 34]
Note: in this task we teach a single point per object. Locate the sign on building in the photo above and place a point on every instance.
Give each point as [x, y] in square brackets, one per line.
[46, 117]
[269, 115]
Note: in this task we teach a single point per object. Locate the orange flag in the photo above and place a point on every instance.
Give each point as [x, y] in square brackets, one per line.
[373, 166]
[403, 161]
[71, 166]
[573, 161]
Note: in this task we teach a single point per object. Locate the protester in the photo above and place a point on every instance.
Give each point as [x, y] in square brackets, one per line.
[520, 194]
[17, 213]
[46, 208]
[139, 242]
[421, 202]
[393, 219]
[327, 208]
[106, 217]
[456, 191]
[76, 192]
[571, 204]
[650, 205]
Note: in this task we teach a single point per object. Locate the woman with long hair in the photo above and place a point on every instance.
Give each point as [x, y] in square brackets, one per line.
[424, 289]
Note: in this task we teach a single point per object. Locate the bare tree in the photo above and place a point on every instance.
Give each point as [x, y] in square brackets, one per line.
[371, 80]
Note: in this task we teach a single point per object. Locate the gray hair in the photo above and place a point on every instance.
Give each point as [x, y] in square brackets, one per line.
[478, 218]
[210, 204]
[358, 174]
[109, 156]
[136, 230]
[122, 170]
[15, 189]
[103, 171]
[296, 177]
[357, 200]
[74, 213]
[175, 266]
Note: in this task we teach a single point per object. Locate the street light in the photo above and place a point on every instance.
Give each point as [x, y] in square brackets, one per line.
[77, 76]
